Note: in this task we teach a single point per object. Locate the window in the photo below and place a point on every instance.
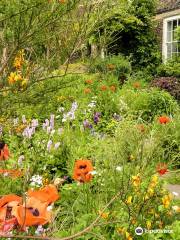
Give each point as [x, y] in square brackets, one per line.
[171, 45]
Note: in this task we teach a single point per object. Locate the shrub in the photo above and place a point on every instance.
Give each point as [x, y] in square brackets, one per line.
[117, 65]
[148, 104]
[170, 84]
[169, 69]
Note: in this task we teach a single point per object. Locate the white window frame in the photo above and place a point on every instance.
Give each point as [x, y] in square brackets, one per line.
[164, 44]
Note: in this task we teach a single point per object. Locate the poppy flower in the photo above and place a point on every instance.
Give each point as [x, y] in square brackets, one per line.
[164, 119]
[87, 90]
[29, 216]
[82, 171]
[4, 151]
[7, 220]
[89, 81]
[103, 88]
[48, 194]
[11, 173]
[113, 88]
[162, 168]
[136, 85]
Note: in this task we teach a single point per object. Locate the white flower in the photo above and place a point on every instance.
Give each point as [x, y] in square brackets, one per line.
[175, 208]
[61, 109]
[175, 193]
[39, 230]
[56, 145]
[93, 172]
[20, 160]
[118, 168]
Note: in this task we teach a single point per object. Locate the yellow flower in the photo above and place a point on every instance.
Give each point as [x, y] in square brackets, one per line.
[24, 82]
[104, 215]
[150, 191]
[128, 236]
[121, 230]
[148, 224]
[154, 181]
[146, 197]
[129, 200]
[19, 60]
[166, 200]
[136, 180]
[14, 78]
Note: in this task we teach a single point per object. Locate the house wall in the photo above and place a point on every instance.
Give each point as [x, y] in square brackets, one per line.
[159, 18]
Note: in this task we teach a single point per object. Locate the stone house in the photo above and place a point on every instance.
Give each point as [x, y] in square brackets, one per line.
[168, 19]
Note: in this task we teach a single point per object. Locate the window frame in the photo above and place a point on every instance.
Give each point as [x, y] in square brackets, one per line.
[165, 30]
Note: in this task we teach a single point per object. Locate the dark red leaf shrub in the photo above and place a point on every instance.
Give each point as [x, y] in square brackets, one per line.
[170, 84]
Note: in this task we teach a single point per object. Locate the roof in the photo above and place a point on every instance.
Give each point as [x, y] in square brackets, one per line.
[168, 5]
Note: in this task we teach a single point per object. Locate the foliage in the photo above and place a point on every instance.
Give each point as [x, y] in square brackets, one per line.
[169, 84]
[147, 104]
[169, 69]
[133, 33]
[119, 66]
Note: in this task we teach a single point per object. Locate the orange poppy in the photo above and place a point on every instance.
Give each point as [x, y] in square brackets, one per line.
[164, 119]
[9, 198]
[48, 194]
[7, 220]
[103, 88]
[89, 81]
[31, 216]
[87, 90]
[82, 171]
[33, 212]
[113, 88]
[136, 85]
[11, 173]
[4, 151]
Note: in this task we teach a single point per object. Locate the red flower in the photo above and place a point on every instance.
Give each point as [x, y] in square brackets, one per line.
[82, 171]
[162, 168]
[136, 85]
[103, 88]
[4, 151]
[87, 90]
[113, 88]
[89, 81]
[164, 119]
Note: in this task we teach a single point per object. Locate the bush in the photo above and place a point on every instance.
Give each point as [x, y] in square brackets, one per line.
[148, 104]
[117, 65]
[170, 84]
[169, 69]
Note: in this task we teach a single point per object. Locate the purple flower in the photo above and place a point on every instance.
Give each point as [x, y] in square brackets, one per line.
[1, 130]
[96, 117]
[49, 145]
[87, 124]
[52, 121]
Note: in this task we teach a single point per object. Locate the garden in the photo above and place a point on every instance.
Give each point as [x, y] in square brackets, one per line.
[89, 125]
